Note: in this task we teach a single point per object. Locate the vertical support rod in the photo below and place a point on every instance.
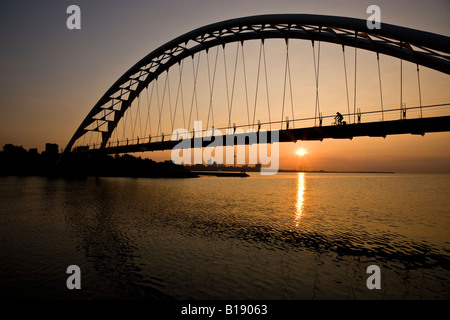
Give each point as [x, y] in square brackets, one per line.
[346, 82]
[420, 94]
[401, 76]
[381, 91]
[354, 97]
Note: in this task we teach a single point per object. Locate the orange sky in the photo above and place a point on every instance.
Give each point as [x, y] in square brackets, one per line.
[51, 77]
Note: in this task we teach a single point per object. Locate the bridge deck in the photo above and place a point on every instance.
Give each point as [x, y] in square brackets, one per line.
[418, 126]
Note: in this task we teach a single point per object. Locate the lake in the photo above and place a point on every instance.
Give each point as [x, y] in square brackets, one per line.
[284, 237]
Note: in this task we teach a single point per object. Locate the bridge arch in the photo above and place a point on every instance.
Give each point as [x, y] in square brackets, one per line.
[419, 47]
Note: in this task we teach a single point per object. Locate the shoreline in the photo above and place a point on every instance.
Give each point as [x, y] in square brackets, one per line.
[335, 171]
[221, 173]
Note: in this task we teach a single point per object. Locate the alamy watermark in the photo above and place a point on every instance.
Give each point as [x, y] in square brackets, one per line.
[74, 20]
[73, 281]
[259, 146]
[374, 21]
[374, 280]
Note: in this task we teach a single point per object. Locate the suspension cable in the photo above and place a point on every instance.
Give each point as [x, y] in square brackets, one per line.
[354, 95]
[84, 138]
[124, 125]
[245, 82]
[420, 95]
[98, 135]
[316, 74]
[158, 105]
[381, 90]
[226, 80]
[284, 86]
[148, 122]
[233, 85]
[170, 99]
[182, 94]
[257, 83]
[267, 86]
[131, 122]
[137, 115]
[140, 120]
[211, 88]
[113, 134]
[287, 76]
[401, 76]
[180, 71]
[162, 103]
[195, 73]
[346, 82]
[195, 89]
[290, 87]
[90, 137]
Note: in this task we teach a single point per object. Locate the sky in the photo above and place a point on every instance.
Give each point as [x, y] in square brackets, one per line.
[50, 77]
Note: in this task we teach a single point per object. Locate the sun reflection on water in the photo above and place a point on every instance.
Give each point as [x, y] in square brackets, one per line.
[300, 198]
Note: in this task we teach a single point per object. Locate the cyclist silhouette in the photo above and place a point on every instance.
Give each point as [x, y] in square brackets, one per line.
[339, 117]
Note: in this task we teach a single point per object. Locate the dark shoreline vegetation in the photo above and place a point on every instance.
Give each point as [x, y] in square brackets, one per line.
[16, 161]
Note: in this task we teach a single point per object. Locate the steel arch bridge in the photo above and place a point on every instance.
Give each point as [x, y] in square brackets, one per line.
[421, 48]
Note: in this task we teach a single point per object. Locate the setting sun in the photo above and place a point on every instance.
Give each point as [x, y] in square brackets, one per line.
[301, 152]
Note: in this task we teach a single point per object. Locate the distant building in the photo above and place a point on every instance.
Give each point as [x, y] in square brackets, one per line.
[33, 151]
[51, 149]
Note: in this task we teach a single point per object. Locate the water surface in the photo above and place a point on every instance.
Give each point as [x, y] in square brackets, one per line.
[288, 236]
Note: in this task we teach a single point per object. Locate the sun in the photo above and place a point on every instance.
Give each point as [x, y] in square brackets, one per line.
[300, 152]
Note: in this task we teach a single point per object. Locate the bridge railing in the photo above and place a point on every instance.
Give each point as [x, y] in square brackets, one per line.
[390, 114]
